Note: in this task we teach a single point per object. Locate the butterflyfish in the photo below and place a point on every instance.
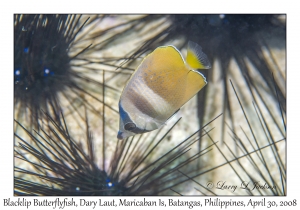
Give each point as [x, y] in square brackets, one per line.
[159, 87]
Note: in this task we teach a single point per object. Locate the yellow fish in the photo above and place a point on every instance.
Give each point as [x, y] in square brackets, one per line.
[161, 84]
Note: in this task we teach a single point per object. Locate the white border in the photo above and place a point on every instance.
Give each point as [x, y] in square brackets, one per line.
[154, 6]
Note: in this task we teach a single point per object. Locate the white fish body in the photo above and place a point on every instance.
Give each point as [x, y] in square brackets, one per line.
[161, 84]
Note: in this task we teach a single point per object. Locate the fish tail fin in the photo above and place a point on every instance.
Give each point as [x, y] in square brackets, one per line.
[195, 58]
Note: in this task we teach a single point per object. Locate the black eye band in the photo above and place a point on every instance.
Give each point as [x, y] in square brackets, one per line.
[129, 126]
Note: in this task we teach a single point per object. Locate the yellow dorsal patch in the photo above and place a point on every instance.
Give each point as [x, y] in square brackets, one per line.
[195, 58]
[164, 71]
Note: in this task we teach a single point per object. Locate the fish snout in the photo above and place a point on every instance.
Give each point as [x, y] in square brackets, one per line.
[120, 135]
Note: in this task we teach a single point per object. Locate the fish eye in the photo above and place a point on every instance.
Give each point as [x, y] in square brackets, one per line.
[129, 126]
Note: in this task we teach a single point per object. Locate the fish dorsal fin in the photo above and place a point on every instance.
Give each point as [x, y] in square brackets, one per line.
[195, 58]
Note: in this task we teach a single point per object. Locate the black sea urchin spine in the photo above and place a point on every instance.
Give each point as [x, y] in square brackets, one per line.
[41, 61]
[61, 167]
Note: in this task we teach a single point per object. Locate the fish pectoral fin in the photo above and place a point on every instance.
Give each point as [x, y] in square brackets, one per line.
[171, 116]
[196, 58]
[152, 124]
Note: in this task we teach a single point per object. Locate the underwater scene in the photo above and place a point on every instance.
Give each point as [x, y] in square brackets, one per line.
[140, 105]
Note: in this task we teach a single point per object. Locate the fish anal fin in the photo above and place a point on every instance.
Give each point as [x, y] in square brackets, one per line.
[195, 82]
